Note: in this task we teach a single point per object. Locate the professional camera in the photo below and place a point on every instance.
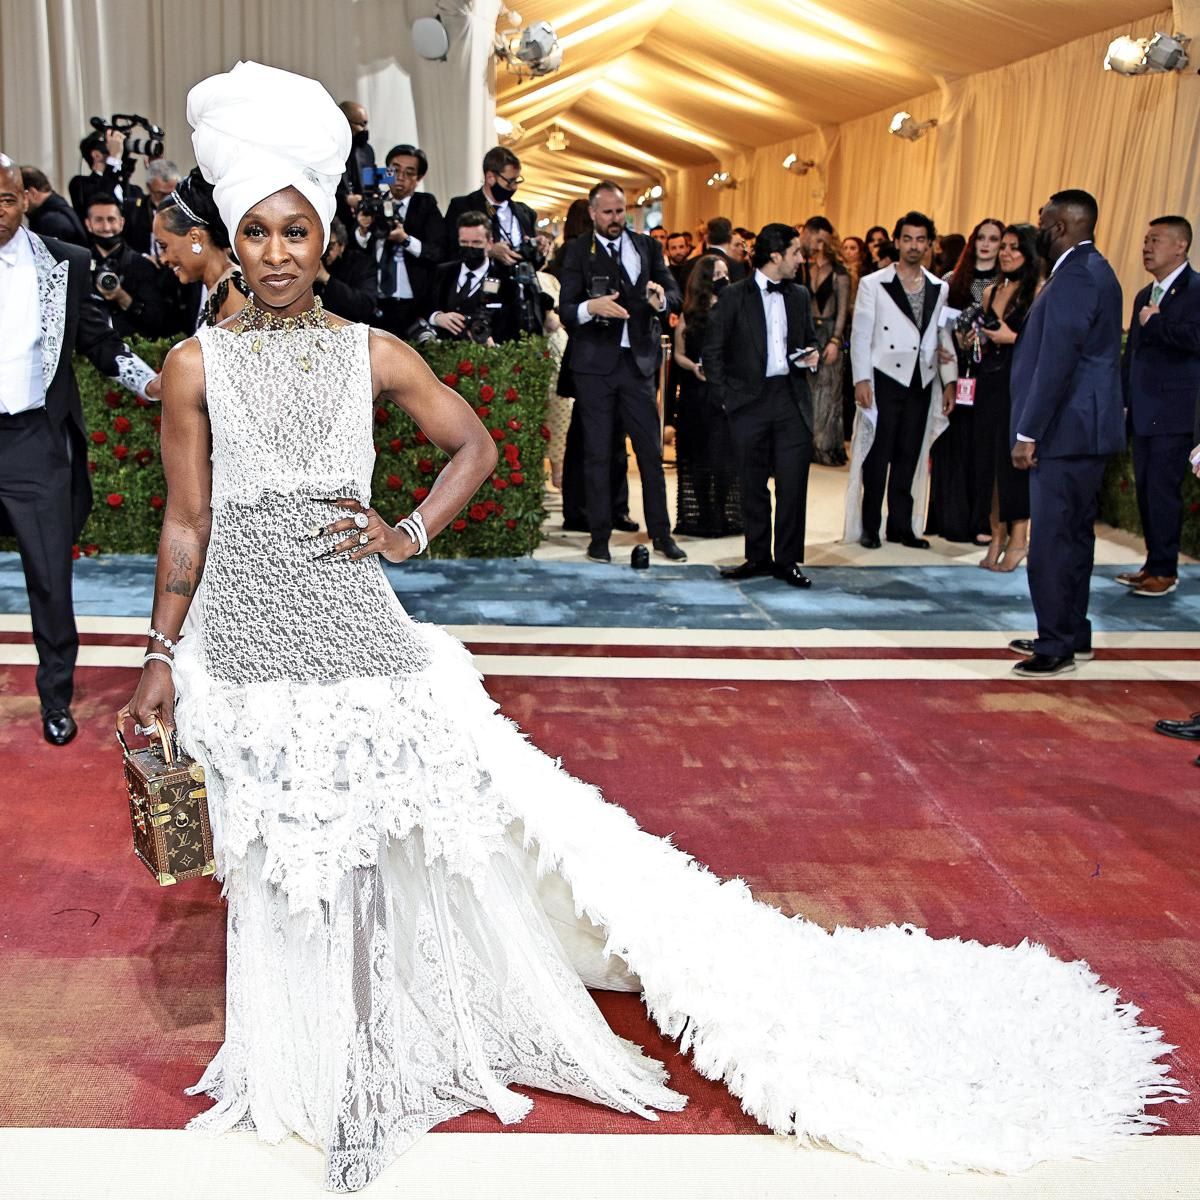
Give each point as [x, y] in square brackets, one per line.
[377, 199]
[531, 300]
[150, 146]
[479, 327]
[104, 278]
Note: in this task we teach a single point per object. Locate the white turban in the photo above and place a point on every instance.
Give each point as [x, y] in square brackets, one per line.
[258, 130]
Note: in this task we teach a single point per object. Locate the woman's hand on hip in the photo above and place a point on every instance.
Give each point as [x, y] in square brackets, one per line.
[375, 536]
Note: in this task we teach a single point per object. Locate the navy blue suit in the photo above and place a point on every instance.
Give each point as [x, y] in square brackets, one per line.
[1160, 371]
[1066, 396]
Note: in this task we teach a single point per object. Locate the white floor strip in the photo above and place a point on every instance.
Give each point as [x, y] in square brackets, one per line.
[724, 669]
[99, 1164]
[576, 635]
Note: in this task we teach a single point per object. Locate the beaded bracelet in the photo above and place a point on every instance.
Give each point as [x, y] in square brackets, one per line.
[162, 637]
[153, 656]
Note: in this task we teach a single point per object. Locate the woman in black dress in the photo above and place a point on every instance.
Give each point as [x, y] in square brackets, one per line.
[1005, 307]
[958, 509]
[709, 501]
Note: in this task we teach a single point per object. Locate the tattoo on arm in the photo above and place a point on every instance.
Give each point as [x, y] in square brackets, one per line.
[182, 571]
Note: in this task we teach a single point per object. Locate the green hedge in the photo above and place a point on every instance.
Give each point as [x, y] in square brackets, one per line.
[506, 385]
[1118, 502]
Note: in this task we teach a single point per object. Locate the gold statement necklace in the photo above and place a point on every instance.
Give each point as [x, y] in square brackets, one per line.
[257, 321]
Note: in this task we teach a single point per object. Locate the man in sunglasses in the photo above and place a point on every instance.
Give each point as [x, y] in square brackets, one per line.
[513, 224]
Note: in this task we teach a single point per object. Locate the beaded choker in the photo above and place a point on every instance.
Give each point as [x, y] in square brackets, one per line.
[253, 319]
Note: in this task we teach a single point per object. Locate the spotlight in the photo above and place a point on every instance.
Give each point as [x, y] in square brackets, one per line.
[1147, 56]
[722, 179]
[903, 125]
[430, 39]
[535, 52]
[656, 192]
[798, 165]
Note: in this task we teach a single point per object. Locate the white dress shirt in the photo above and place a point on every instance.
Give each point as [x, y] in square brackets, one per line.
[403, 289]
[776, 313]
[631, 261]
[20, 328]
[510, 227]
[1165, 284]
[464, 273]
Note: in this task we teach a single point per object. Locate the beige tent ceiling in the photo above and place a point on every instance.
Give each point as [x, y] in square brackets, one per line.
[650, 86]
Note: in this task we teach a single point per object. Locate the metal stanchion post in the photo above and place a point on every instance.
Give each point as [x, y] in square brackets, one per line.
[663, 372]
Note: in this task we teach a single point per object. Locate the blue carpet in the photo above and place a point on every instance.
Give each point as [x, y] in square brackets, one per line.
[528, 592]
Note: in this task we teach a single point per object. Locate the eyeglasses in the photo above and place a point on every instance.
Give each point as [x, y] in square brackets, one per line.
[407, 173]
[514, 181]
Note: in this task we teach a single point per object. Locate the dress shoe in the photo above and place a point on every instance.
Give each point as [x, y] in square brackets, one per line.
[1024, 646]
[912, 541]
[1156, 585]
[1044, 666]
[625, 525]
[669, 548]
[1188, 731]
[1130, 579]
[870, 541]
[598, 551]
[59, 726]
[747, 570]
[793, 576]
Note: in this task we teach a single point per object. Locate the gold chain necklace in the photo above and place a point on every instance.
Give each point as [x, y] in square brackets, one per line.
[258, 321]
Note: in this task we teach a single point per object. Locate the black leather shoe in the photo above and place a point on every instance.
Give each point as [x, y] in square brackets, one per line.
[1188, 731]
[1025, 646]
[59, 726]
[1044, 666]
[668, 548]
[912, 542]
[870, 541]
[793, 576]
[747, 570]
[625, 525]
[598, 551]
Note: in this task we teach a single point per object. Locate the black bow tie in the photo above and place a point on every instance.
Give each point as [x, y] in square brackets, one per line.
[776, 287]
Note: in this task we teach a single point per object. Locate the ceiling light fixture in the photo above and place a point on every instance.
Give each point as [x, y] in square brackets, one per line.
[651, 195]
[904, 126]
[556, 140]
[722, 179]
[798, 165]
[1147, 56]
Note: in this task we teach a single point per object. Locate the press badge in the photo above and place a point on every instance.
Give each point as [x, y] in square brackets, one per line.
[491, 287]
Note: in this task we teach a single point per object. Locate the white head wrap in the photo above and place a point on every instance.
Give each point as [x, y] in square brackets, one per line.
[258, 130]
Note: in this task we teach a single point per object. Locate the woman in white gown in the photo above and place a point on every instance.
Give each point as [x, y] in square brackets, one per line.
[416, 896]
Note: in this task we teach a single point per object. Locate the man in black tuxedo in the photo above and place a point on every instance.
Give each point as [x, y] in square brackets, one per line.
[1160, 375]
[614, 284]
[407, 241]
[473, 297]
[1067, 418]
[45, 493]
[362, 155]
[513, 223]
[48, 213]
[347, 282]
[752, 364]
[719, 239]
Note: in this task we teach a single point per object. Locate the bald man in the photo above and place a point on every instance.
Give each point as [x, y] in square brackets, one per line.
[46, 314]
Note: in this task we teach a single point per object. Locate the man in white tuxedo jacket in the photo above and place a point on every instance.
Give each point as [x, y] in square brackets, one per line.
[904, 391]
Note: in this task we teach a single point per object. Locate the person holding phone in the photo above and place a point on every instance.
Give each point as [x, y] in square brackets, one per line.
[758, 352]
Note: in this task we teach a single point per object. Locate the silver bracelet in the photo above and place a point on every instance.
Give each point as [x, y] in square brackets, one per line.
[414, 526]
[153, 656]
[162, 637]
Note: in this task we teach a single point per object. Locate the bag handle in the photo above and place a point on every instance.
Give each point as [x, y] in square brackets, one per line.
[164, 736]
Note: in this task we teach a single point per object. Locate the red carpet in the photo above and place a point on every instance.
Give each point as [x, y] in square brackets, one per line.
[993, 813]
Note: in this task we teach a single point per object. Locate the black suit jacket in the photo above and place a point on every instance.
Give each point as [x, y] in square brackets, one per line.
[424, 221]
[1160, 369]
[352, 290]
[735, 345]
[154, 312]
[57, 219]
[477, 202]
[500, 305]
[595, 347]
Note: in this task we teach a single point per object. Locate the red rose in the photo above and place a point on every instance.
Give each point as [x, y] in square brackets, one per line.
[156, 421]
[396, 445]
[425, 466]
[499, 484]
[512, 395]
[122, 424]
[91, 549]
[143, 457]
[497, 434]
[510, 524]
[115, 499]
[99, 437]
[478, 512]
[421, 439]
[483, 411]
[466, 367]
[156, 502]
[545, 432]
[514, 425]
[91, 468]
[141, 403]
[516, 479]
[395, 483]
[120, 453]
[545, 353]
[112, 399]
[450, 379]
[499, 508]
[420, 494]
[459, 525]
[487, 392]
[512, 452]
[490, 505]
[75, 552]
[484, 370]
[516, 368]
[381, 416]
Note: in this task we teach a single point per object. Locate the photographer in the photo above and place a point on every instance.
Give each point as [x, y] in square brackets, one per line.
[132, 289]
[48, 213]
[474, 297]
[513, 224]
[162, 177]
[346, 280]
[405, 235]
[362, 158]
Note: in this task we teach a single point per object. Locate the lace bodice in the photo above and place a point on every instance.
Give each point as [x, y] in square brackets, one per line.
[290, 412]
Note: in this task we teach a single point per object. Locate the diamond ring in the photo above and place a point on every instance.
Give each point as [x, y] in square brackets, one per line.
[363, 539]
[361, 520]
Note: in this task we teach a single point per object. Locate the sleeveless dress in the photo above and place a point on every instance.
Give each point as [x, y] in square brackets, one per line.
[417, 897]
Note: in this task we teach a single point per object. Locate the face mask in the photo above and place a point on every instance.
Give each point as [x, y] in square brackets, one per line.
[360, 137]
[502, 193]
[719, 285]
[106, 243]
[472, 256]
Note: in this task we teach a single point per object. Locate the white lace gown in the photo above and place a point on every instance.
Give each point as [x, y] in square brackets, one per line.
[417, 896]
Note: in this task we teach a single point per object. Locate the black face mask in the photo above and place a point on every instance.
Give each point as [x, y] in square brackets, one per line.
[472, 257]
[719, 285]
[360, 137]
[501, 193]
[107, 244]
